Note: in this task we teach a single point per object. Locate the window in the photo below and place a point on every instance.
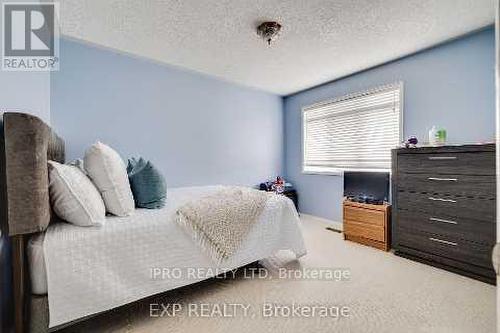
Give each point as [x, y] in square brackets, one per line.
[354, 132]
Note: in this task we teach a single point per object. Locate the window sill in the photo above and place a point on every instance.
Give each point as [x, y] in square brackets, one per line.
[332, 172]
[339, 172]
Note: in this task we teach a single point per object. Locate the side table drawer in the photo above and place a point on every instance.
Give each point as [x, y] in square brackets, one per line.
[369, 231]
[365, 216]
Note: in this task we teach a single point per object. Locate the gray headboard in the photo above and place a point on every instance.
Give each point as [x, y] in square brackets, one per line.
[27, 144]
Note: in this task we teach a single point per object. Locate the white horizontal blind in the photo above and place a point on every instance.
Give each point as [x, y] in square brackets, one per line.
[355, 132]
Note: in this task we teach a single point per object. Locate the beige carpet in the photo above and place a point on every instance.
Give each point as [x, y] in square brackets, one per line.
[385, 293]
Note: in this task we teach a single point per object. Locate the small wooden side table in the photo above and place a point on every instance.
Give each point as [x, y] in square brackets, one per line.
[367, 224]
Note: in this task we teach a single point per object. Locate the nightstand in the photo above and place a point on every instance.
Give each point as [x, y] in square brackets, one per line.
[292, 194]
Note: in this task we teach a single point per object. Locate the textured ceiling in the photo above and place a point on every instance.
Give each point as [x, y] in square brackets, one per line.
[321, 39]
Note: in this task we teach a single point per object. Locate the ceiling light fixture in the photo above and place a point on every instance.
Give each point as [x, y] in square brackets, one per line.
[269, 31]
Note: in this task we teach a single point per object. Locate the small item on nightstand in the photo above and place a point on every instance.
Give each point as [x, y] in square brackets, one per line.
[264, 186]
[411, 142]
[279, 185]
[287, 189]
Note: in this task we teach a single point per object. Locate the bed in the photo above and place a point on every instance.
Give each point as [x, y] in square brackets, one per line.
[64, 273]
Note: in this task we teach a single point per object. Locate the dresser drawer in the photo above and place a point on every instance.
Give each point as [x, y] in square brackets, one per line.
[450, 247]
[448, 226]
[370, 231]
[453, 184]
[457, 206]
[480, 163]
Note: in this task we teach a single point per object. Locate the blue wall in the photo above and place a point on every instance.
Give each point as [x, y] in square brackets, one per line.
[198, 130]
[452, 85]
[27, 92]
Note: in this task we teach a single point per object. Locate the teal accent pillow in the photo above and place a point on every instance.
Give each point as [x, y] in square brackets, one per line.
[147, 184]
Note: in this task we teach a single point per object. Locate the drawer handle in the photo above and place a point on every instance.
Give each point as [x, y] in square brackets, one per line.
[435, 219]
[443, 179]
[437, 240]
[441, 199]
[442, 158]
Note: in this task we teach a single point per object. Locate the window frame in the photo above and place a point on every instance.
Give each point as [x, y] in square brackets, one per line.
[340, 171]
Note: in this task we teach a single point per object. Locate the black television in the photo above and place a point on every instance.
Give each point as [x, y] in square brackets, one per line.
[367, 187]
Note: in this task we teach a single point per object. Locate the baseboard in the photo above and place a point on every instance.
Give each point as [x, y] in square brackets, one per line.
[333, 224]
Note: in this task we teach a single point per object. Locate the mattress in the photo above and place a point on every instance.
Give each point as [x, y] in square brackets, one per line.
[94, 269]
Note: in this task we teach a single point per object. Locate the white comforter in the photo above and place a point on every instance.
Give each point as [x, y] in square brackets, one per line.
[90, 270]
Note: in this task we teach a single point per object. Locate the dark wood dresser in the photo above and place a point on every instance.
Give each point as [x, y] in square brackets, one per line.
[444, 207]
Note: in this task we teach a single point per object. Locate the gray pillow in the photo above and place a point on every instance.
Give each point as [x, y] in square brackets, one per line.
[147, 184]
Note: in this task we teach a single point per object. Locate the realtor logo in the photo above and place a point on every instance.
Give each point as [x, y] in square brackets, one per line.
[30, 36]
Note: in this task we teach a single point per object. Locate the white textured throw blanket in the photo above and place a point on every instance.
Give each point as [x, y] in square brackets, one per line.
[219, 222]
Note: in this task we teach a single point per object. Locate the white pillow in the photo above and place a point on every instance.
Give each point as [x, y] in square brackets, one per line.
[109, 174]
[73, 196]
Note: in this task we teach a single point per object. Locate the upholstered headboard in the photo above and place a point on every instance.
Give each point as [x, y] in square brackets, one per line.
[27, 144]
